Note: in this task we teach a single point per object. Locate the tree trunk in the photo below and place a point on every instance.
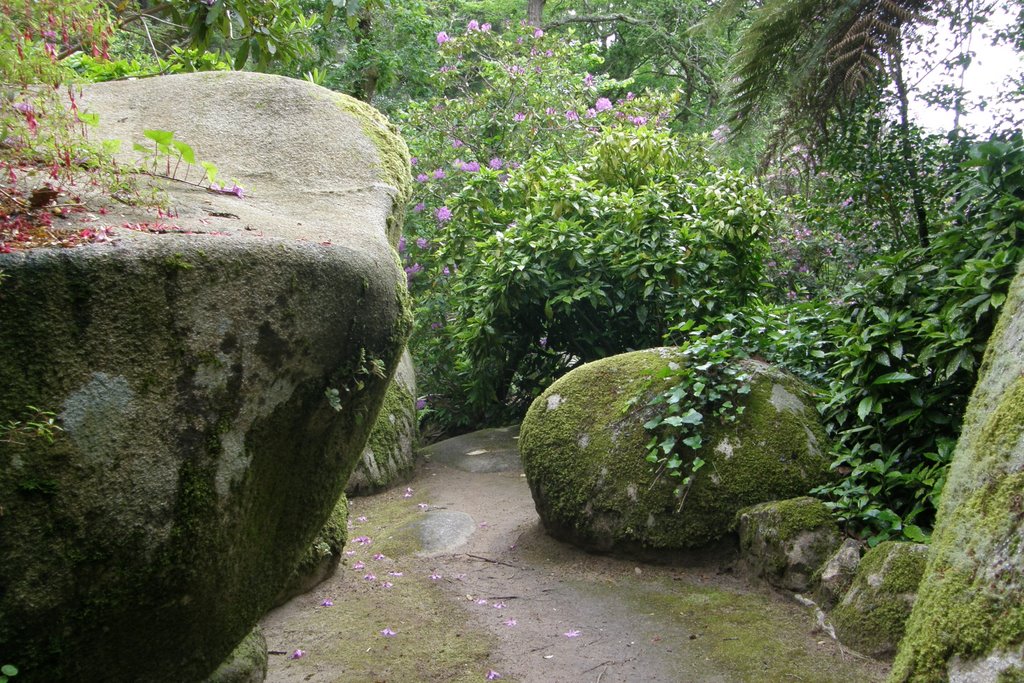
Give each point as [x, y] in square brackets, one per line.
[535, 11]
[917, 196]
[366, 88]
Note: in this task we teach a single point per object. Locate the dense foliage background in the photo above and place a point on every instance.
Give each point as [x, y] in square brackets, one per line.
[745, 179]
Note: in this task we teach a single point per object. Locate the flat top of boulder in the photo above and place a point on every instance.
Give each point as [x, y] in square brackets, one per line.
[315, 165]
[487, 450]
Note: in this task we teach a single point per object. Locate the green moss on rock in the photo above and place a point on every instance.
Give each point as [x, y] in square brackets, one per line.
[583, 446]
[323, 555]
[873, 615]
[246, 664]
[786, 542]
[389, 455]
[969, 614]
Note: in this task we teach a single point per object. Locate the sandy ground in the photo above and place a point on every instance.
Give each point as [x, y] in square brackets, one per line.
[511, 602]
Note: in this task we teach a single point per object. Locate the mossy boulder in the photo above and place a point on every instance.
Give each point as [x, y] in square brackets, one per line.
[216, 372]
[872, 616]
[583, 446]
[390, 456]
[968, 623]
[785, 542]
[247, 663]
[322, 557]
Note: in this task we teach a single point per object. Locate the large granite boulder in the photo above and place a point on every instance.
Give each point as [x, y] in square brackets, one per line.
[389, 456]
[968, 622]
[215, 369]
[583, 446]
[872, 616]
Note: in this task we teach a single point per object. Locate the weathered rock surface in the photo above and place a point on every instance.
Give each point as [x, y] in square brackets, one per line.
[583, 446]
[838, 572]
[872, 616]
[389, 455]
[968, 623]
[785, 542]
[191, 371]
[488, 450]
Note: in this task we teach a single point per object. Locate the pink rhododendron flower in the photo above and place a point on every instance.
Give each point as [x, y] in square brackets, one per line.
[473, 25]
[603, 104]
[422, 242]
[495, 164]
[439, 173]
[442, 38]
[588, 80]
[485, 28]
[520, 116]
[539, 33]
[419, 207]
[572, 115]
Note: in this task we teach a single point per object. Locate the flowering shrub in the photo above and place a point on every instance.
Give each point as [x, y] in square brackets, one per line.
[553, 265]
[508, 95]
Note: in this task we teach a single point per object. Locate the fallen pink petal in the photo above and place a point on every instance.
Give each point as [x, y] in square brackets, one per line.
[298, 654]
[388, 633]
[362, 540]
[370, 577]
[386, 584]
[422, 506]
[358, 565]
[481, 601]
[574, 633]
[510, 622]
[361, 518]
[394, 573]
[499, 605]
[327, 603]
[379, 556]
[436, 577]
[493, 675]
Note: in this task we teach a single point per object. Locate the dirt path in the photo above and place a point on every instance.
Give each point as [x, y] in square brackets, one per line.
[511, 601]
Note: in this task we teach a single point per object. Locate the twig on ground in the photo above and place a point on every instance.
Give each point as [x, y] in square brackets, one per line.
[487, 559]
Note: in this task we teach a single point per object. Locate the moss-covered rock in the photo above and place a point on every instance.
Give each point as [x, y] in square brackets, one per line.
[390, 456]
[583, 446]
[322, 557]
[969, 617]
[873, 614]
[785, 542]
[216, 374]
[247, 663]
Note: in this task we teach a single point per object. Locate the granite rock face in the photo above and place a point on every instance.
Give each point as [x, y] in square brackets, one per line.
[216, 379]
